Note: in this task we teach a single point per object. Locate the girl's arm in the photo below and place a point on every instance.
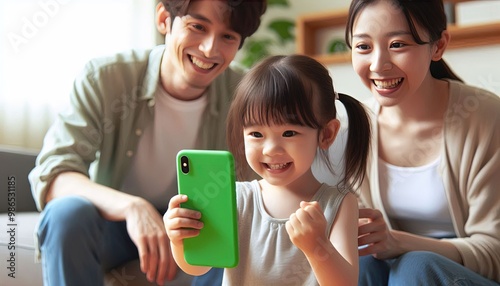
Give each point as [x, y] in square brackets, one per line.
[182, 223]
[333, 259]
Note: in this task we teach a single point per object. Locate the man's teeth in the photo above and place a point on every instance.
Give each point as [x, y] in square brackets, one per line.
[387, 83]
[201, 64]
[277, 166]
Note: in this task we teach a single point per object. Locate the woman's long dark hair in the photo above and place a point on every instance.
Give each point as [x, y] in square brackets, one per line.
[296, 89]
[428, 14]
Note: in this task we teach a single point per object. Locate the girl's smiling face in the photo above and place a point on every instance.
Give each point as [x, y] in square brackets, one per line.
[280, 154]
[385, 55]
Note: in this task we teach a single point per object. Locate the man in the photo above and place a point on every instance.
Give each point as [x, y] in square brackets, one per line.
[107, 167]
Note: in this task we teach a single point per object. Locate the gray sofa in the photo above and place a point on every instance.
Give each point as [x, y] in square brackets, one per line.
[16, 236]
[21, 270]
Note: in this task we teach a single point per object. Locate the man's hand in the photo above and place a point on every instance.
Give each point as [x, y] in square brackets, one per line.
[145, 227]
[144, 223]
[375, 237]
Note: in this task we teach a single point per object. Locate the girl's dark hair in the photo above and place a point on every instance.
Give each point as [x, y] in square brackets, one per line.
[245, 14]
[428, 14]
[296, 89]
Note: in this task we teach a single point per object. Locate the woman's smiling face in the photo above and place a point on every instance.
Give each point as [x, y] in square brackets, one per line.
[385, 55]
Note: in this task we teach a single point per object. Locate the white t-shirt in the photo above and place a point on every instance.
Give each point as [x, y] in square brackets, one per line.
[152, 174]
[414, 197]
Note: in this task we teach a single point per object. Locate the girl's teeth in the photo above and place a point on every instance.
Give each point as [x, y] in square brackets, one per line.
[201, 64]
[387, 83]
[277, 166]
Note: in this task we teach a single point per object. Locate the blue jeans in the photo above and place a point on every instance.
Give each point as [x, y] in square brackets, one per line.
[78, 246]
[417, 268]
[211, 278]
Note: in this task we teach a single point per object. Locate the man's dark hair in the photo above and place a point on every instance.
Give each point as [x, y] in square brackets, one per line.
[244, 19]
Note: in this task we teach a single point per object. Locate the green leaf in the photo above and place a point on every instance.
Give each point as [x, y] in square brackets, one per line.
[255, 50]
[337, 46]
[283, 3]
[283, 28]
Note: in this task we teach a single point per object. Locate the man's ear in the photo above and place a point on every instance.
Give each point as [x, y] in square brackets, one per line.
[441, 45]
[162, 19]
[329, 133]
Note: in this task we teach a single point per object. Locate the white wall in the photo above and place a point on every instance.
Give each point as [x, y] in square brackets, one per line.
[45, 44]
[477, 66]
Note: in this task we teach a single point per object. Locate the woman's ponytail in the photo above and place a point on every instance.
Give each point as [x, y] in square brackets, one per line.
[440, 70]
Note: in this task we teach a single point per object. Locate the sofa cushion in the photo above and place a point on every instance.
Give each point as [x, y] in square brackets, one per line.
[14, 169]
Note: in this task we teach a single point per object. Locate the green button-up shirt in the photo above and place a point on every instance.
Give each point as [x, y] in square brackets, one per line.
[112, 102]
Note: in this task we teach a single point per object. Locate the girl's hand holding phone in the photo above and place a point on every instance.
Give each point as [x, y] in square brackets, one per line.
[180, 222]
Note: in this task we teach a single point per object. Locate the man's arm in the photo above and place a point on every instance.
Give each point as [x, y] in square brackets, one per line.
[112, 204]
[144, 223]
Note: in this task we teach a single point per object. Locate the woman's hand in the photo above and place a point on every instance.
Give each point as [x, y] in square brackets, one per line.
[375, 237]
[307, 227]
[145, 227]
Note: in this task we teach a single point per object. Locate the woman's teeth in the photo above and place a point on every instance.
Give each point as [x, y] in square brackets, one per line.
[386, 84]
[277, 166]
[201, 64]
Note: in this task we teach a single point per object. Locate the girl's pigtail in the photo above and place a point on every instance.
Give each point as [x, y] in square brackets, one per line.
[358, 142]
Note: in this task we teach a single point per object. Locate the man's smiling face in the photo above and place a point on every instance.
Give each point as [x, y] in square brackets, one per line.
[199, 47]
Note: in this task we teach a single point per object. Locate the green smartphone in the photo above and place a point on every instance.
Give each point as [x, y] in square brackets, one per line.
[207, 177]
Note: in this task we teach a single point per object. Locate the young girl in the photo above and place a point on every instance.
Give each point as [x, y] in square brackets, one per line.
[431, 192]
[293, 230]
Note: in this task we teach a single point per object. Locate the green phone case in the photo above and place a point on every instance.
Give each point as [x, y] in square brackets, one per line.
[209, 183]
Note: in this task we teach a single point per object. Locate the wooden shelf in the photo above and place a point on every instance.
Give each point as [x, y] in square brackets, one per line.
[308, 27]
[474, 35]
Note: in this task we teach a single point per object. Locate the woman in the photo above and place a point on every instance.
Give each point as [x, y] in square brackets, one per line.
[430, 201]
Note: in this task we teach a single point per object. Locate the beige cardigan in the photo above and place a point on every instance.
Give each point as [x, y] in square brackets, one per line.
[470, 169]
